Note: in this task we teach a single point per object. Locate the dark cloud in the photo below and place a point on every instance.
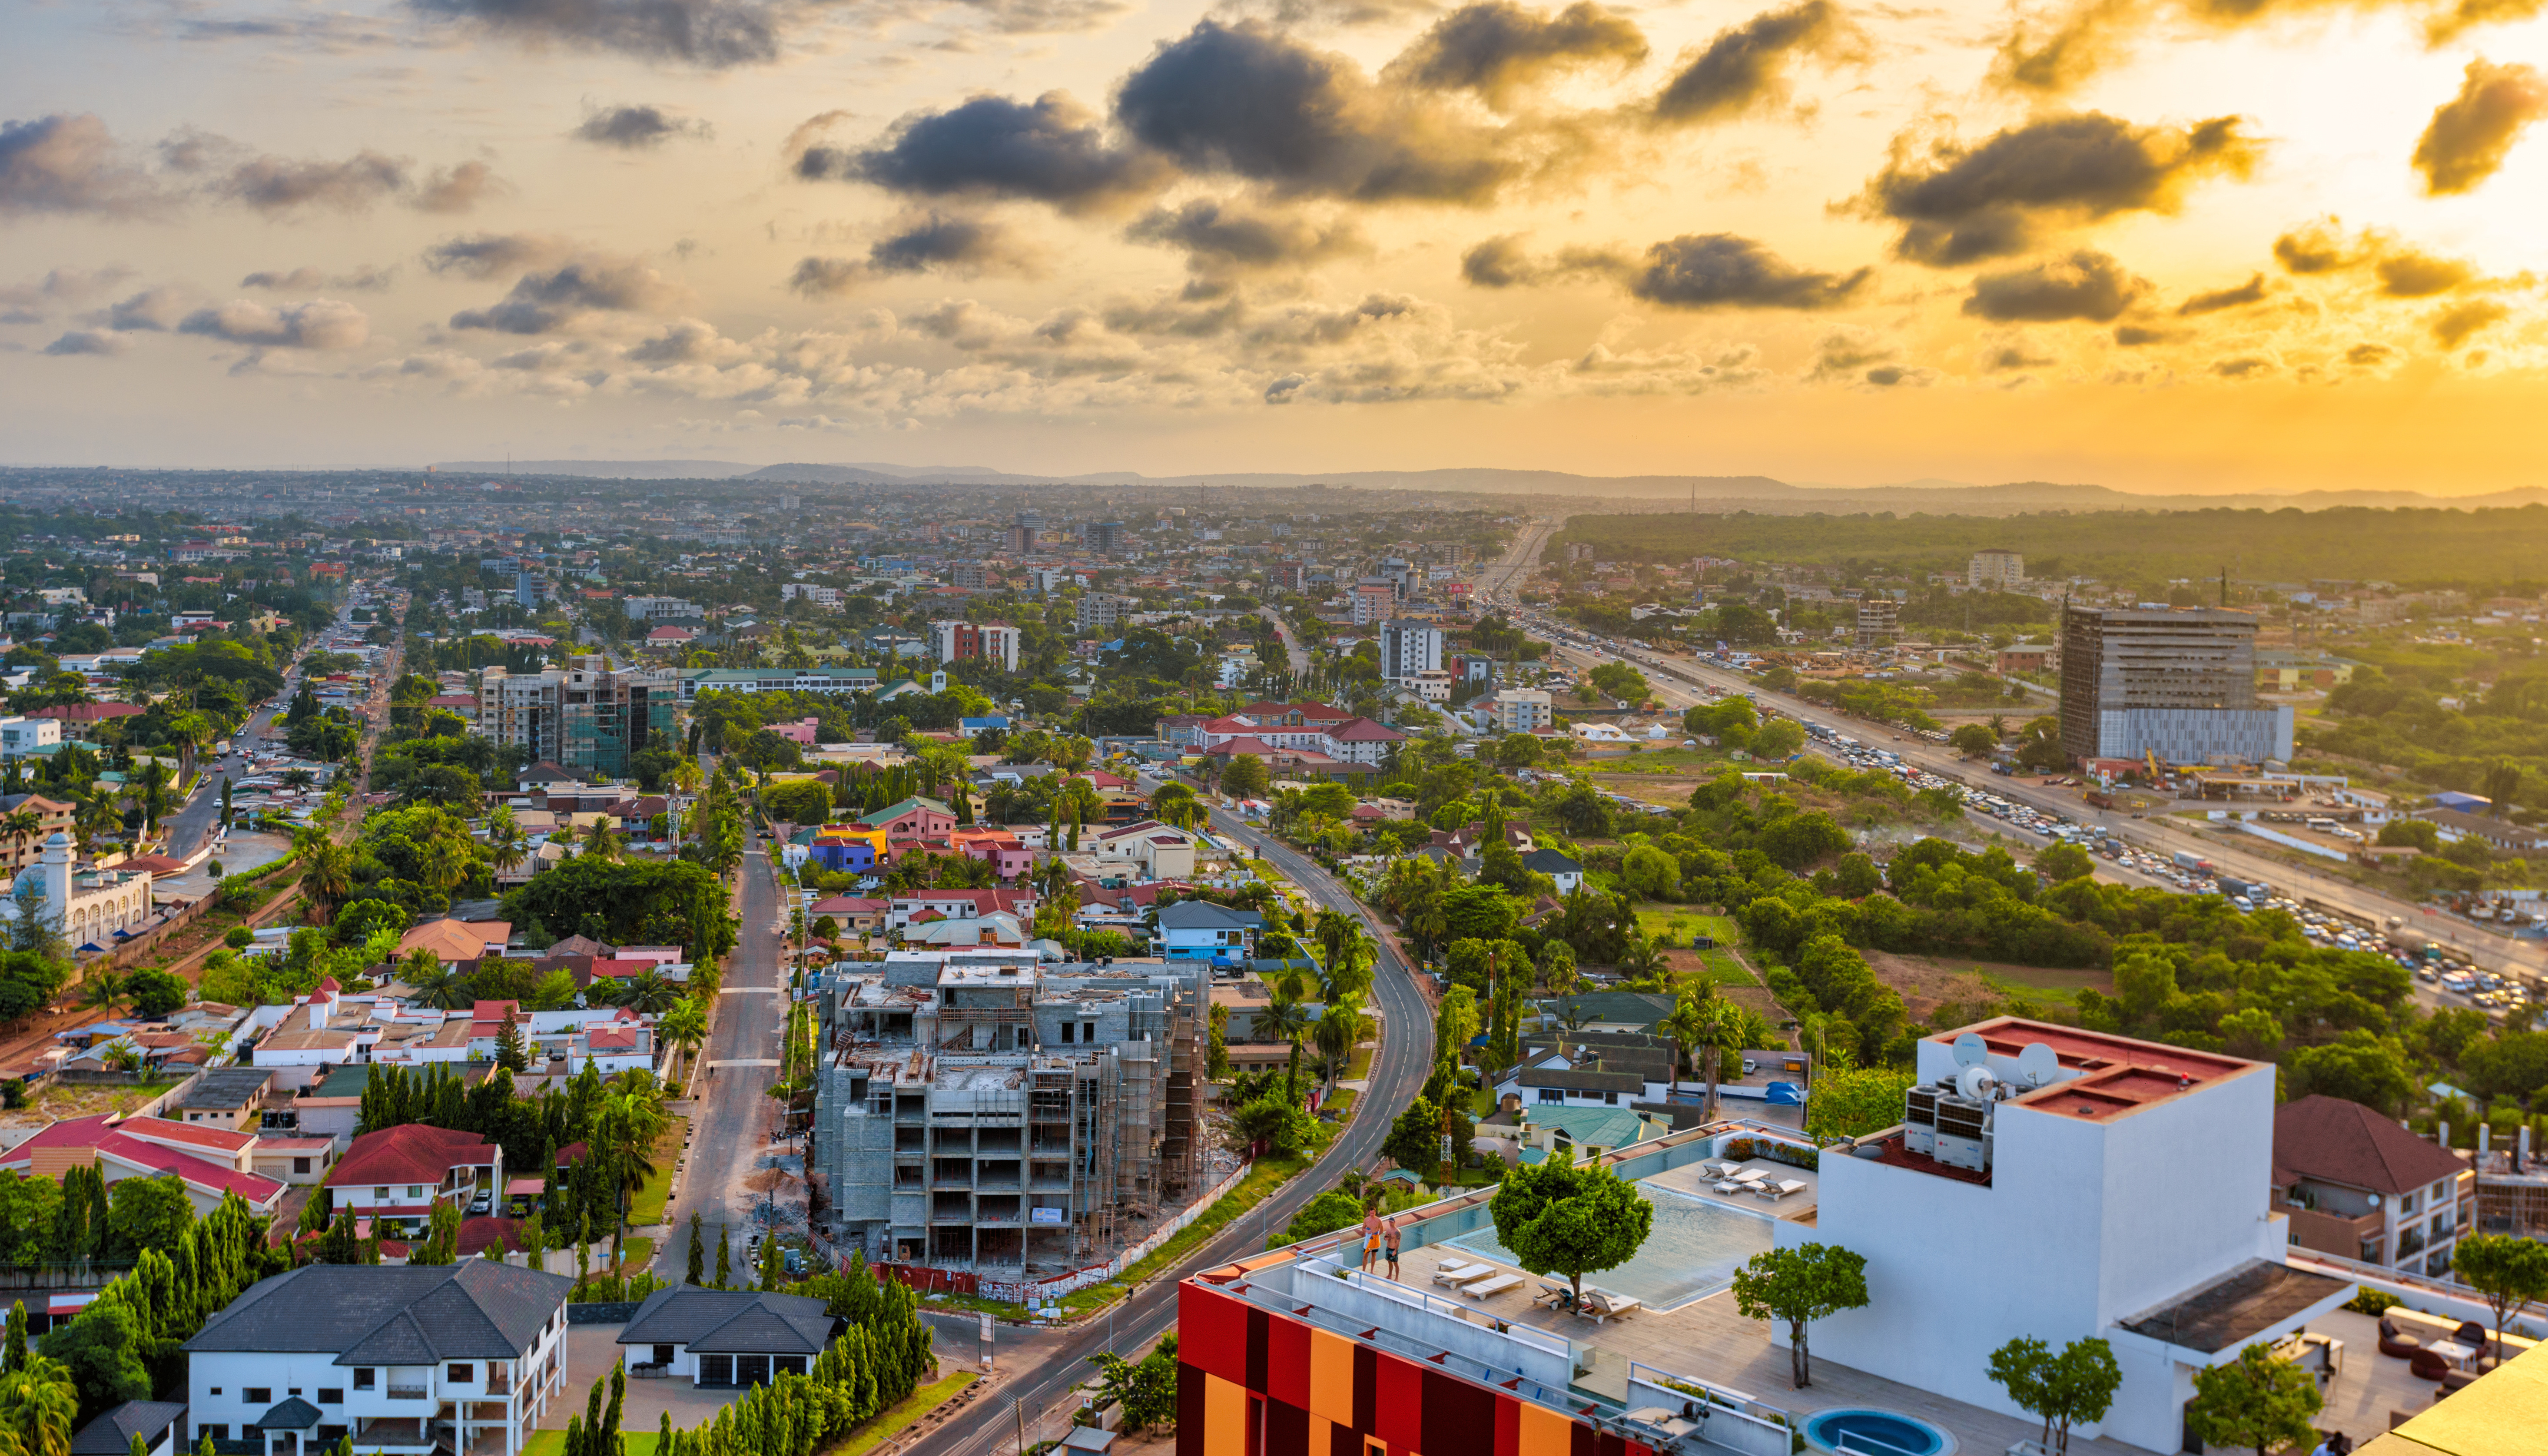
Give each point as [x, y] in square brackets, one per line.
[30, 303]
[1961, 203]
[1501, 262]
[1719, 270]
[150, 311]
[818, 277]
[1746, 66]
[2137, 335]
[705, 32]
[367, 279]
[2014, 356]
[2085, 285]
[544, 303]
[2247, 366]
[1887, 376]
[2363, 356]
[1051, 150]
[320, 324]
[498, 254]
[2408, 274]
[2315, 248]
[635, 128]
[2472, 13]
[1174, 320]
[2469, 134]
[65, 164]
[275, 184]
[2453, 325]
[955, 243]
[85, 341]
[1844, 353]
[2250, 292]
[1496, 49]
[455, 189]
[1247, 100]
[2052, 57]
[1221, 239]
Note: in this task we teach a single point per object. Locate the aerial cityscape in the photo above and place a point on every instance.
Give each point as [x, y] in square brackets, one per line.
[1282, 728]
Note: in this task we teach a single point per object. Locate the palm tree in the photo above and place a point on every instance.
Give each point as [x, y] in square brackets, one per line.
[505, 837]
[104, 989]
[326, 873]
[684, 1027]
[648, 991]
[153, 782]
[1286, 1021]
[1342, 1028]
[1643, 960]
[21, 825]
[39, 1407]
[432, 983]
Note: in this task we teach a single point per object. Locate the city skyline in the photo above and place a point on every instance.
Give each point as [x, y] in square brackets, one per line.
[2164, 250]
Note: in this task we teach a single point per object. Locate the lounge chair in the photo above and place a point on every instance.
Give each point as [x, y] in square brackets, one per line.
[1456, 1275]
[1487, 1289]
[1781, 1189]
[1752, 1175]
[2396, 1342]
[1600, 1304]
[1555, 1296]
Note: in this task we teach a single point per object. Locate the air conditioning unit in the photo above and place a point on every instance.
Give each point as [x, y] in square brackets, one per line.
[1920, 1120]
[1963, 1138]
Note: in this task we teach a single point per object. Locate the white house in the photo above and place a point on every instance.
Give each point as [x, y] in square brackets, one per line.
[397, 1175]
[1163, 851]
[721, 1337]
[404, 1360]
[1566, 872]
[2063, 1184]
[21, 736]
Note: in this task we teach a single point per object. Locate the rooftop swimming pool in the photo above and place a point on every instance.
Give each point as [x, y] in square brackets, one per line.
[1693, 1252]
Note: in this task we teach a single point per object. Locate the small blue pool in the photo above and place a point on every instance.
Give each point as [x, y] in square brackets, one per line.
[1859, 1433]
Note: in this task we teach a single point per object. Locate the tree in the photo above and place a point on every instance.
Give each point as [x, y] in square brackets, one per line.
[2256, 1400]
[510, 1053]
[1779, 738]
[1284, 1020]
[1324, 1213]
[1246, 778]
[102, 1349]
[725, 1256]
[696, 1269]
[2076, 1386]
[156, 992]
[1800, 1285]
[1649, 874]
[2358, 1066]
[1415, 1141]
[1973, 741]
[1561, 1218]
[2510, 1271]
[148, 1214]
[2060, 863]
[39, 1406]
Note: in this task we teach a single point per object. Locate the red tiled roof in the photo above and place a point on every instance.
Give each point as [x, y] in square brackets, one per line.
[154, 863]
[67, 1133]
[2339, 1142]
[611, 1038]
[202, 1174]
[614, 965]
[1364, 730]
[849, 905]
[86, 712]
[412, 1153]
[196, 1135]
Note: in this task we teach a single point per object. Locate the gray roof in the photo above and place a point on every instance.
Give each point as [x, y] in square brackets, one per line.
[112, 1432]
[731, 1321]
[1551, 863]
[1204, 915]
[391, 1314]
[227, 1088]
[1577, 1081]
[291, 1414]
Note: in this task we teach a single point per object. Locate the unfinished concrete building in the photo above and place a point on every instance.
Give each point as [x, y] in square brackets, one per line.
[978, 1110]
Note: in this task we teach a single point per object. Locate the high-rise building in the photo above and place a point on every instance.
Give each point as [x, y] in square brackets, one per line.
[581, 716]
[997, 642]
[1286, 575]
[1104, 608]
[2180, 685]
[1023, 533]
[1104, 535]
[1879, 621]
[1408, 648]
[1373, 601]
[1996, 570]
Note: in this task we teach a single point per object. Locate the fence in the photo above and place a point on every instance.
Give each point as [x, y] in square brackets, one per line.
[1078, 1279]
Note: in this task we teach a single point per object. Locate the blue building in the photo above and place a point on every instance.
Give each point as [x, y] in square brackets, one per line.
[1199, 929]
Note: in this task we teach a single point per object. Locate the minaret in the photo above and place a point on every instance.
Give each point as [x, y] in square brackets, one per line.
[56, 880]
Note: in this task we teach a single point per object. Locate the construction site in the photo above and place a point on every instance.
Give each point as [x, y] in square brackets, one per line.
[977, 1110]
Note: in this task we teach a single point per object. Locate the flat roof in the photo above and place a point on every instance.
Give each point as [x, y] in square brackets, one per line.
[2237, 1306]
[2110, 1075]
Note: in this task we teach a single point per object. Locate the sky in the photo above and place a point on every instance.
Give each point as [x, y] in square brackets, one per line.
[2164, 245]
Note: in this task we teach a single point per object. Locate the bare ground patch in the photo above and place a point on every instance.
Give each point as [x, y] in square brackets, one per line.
[1925, 982]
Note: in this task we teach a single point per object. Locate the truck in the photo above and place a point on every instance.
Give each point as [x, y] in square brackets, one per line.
[2188, 860]
[2245, 889]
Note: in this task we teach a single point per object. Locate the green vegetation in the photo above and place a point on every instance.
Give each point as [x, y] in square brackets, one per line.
[1800, 1285]
[1564, 1219]
[2256, 1400]
[890, 1423]
[2075, 1385]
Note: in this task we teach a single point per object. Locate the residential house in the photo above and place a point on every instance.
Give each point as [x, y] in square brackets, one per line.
[1566, 872]
[233, 1097]
[1199, 929]
[158, 1425]
[455, 941]
[397, 1175]
[2354, 1184]
[1162, 851]
[952, 904]
[401, 1360]
[855, 915]
[911, 820]
[727, 1337]
[211, 1161]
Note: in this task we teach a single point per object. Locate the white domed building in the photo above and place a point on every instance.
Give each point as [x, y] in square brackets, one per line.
[87, 906]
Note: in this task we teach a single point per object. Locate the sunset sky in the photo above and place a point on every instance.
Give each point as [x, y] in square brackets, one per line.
[2156, 244]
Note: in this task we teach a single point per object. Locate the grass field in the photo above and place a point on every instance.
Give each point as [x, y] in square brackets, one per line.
[648, 1206]
[1682, 923]
[887, 1423]
[1340, 1102]
[1925, 980]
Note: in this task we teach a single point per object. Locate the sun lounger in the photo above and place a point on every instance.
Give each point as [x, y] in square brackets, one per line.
[1555, 1296]
[1487, 1289]
[1602, 1304]
[1779, 1190]
[1752, 1175]
[1459, 1274]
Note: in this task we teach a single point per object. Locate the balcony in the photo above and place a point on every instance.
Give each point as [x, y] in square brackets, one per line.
[407, 1393]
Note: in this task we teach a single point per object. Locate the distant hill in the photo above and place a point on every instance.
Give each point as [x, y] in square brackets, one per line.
[612, 470]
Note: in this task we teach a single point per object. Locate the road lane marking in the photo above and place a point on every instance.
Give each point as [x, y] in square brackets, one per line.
[748, 1061]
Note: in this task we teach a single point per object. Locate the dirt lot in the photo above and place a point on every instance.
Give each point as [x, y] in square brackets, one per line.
[1928, 981]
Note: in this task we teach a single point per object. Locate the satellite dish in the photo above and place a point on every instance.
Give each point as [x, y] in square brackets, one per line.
[1976, 1082]
[1970, 1050]
[2039, 1064]
[2375, 1200]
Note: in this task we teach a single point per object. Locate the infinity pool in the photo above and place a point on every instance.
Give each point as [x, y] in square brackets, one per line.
[1694, 1248]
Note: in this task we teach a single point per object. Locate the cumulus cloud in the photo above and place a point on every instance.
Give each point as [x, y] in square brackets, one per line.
[1746, 66]
[320, 324]
[1721, 270]
[32, 302]
[2454, 324]
[69, 164]
[704, 33]
[2317, 246]
[275, 184]
[548, 302]
[1221, 239]
[1962, 204]
[455, 189]
[1844, 353]
[2410, 274]
[1502, 262]
[304, 279]
[2052, 54]
[2245, 366]
[1250, 100]
[1051, 151]
[1499, 50]
[85, 341]
[925, 242]
[2469, 133]
[498, 254]
[2250, 292]
[152, 311]
[636, 128]
[2087, 284]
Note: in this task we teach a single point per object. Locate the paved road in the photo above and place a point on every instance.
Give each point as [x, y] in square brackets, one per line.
[732, 1114]
[1052, 1363]
[1292, 648]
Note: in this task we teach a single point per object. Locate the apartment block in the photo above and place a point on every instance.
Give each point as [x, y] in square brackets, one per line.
[581, 717]
[658, 608]
[1374, 602]
[977, 1110]
[953, 641]
[1104, 608]
[1524, 710]
[2179, 685]
[1995, 571]
[1407, 649]
[1879, 621]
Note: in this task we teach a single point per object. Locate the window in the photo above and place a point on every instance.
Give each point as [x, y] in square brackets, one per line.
[461, 1374]
[1609, 1099]
[1068, 1028]
[331, 1395]
[256, 1395]
[217, 1390]
[1088, 1031]
[415, 1190]
[380, 1194]
[2406, 1205]
[363, 1380]
[301, 1165]
[1551, 1094]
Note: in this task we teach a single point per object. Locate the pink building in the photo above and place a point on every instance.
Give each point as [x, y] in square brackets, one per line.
[800, 732]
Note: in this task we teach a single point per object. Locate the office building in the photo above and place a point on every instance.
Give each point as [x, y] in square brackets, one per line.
[1024, 532]
[1374, 602]
[1104, 608]
[1524, 710]
[1407, 649]
[1104, 536]
[658, 608]
[962, 641]
[582, 717]
[1879, 621]
[1995, 571]
[977, 1110]
[530, 591]
[1286, 575]
[2138, 681]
